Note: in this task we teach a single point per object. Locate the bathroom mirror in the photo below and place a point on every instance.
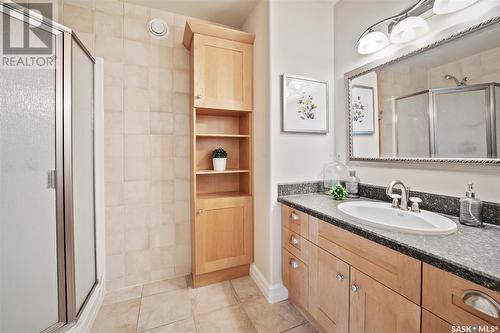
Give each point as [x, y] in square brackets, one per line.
[437, 104]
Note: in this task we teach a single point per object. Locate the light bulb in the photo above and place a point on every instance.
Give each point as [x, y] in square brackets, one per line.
[449, 6]
[409, 29]
[372, 42]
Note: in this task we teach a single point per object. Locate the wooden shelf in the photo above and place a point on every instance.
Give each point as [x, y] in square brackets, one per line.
[220, 195]
[214, 172]
[222, 135]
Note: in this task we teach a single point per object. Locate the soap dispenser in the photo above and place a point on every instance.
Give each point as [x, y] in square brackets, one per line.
[352, 184]
[471, 208]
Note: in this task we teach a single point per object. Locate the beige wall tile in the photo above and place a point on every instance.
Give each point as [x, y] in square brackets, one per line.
[113, 98]
[162, 145]
[182, 168]
[180, 103]
[136, 216]
[162, 192]
[180, 21]
[181, 57]
[181, 124]
[114, 7]
[182, 254]
[108, 25]
[136, 192]
[78, 18]
[113, 194]
[183, 233]
[162, 123]
[108, 47]
[114, 220]
[182, 211]
[136, 28]
[135, 11]
[162, 258]
[162, 168]
[135, 100]
[162, 235]
[182, 146]
[182, 189]
[137, 168]
[161, 274]
[138, 278]
[161, 56]
[87, 40]
[160, 79]
[137, 262]
[113, 144]
[160, 100]
[182, 269]
[113, 74]
[113, 122]
[136, 77]
[137, 239]
[162, 214]
[115, 266]
[115, 243]
[137, 145]
[136, 123]
[181, 81]
[113, 169]
[136, 53]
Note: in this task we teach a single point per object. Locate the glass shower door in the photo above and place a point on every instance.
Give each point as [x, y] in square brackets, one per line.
[29, 286]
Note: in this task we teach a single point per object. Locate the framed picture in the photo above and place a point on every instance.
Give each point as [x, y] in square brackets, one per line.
[305, 105]
[362, 110]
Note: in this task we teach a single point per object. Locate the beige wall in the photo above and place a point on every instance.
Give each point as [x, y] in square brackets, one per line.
[146, 138]
[351, 18]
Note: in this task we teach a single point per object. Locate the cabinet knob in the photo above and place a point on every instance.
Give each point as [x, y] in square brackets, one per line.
[355, 288]
[293, 240]
[294, 263]
[340, 277]
[294, 216]
[200, 211]
[197, 97]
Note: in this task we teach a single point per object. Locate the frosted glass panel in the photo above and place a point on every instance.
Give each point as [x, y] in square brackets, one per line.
[28, 267]
[413, 126]
[83, 172]
[460, 124]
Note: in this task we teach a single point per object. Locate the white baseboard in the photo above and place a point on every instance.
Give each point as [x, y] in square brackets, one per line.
[273, 293]
[89, 314]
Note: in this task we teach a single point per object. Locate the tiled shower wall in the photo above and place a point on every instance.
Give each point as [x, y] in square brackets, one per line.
[146, 138]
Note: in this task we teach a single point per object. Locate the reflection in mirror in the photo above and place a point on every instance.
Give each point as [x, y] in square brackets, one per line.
[441, 103]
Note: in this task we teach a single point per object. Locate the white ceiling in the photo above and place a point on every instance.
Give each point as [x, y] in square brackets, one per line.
[228, 12]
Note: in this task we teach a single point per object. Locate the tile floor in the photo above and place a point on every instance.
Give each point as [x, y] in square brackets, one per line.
[172, 306]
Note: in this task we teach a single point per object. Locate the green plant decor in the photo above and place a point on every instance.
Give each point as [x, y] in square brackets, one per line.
[219, 153]
[338, 192]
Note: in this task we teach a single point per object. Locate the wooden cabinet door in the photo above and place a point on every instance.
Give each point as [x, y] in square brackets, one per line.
[329, 290]
[433, 324]
[296, 279]
[223, 233]
[375, 308]
[222, 74]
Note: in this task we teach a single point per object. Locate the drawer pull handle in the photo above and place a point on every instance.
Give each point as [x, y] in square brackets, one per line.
[340, 277]
[355, 288]
[481, 302]
[294, 241]
[294, 263]
[294, 217]
[200, 211]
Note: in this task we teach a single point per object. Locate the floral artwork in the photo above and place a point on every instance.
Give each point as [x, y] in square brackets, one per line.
[362, 110]
[306, 106]
[358, 110]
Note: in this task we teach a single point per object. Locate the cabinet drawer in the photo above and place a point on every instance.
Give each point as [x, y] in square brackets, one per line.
[296, 279]
[391, 268]
[294, 220]
[433, 324]
[295, 244]
[444, 294]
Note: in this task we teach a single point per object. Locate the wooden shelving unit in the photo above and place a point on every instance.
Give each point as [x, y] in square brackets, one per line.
[221, 201]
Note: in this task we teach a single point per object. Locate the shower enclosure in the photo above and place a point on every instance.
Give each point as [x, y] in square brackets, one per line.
[47, 205]
[458, 122]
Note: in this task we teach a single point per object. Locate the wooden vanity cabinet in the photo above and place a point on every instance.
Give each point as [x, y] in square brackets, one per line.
[296, 279]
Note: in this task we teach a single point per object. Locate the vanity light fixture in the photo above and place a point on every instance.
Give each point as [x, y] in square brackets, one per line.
[442, 7]
[409, 29]
[372, 41]
[406, 26]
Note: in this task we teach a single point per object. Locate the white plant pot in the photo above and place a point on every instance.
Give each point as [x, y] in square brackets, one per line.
[219, 164]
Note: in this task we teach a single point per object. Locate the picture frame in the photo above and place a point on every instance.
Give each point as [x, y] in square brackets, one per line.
[305, 107]
[363, 110]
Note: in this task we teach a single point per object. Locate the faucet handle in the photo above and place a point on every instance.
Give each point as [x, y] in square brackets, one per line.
[414, 206]
[395, 200]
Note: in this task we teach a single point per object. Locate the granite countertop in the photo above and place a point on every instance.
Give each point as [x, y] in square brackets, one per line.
[471, 253]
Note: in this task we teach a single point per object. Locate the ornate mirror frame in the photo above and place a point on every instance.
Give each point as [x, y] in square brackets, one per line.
[348, 77]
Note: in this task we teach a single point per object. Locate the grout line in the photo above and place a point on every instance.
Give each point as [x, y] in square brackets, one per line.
[238, 300]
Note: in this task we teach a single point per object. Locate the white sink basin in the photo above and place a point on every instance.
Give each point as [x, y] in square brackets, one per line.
[382, 215]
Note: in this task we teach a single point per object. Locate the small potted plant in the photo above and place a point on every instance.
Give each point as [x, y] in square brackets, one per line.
[219, 158]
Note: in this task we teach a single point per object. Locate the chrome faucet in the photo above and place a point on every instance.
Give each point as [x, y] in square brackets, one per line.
[404, 194]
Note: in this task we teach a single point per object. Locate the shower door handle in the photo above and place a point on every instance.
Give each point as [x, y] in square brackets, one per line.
[51, 179]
